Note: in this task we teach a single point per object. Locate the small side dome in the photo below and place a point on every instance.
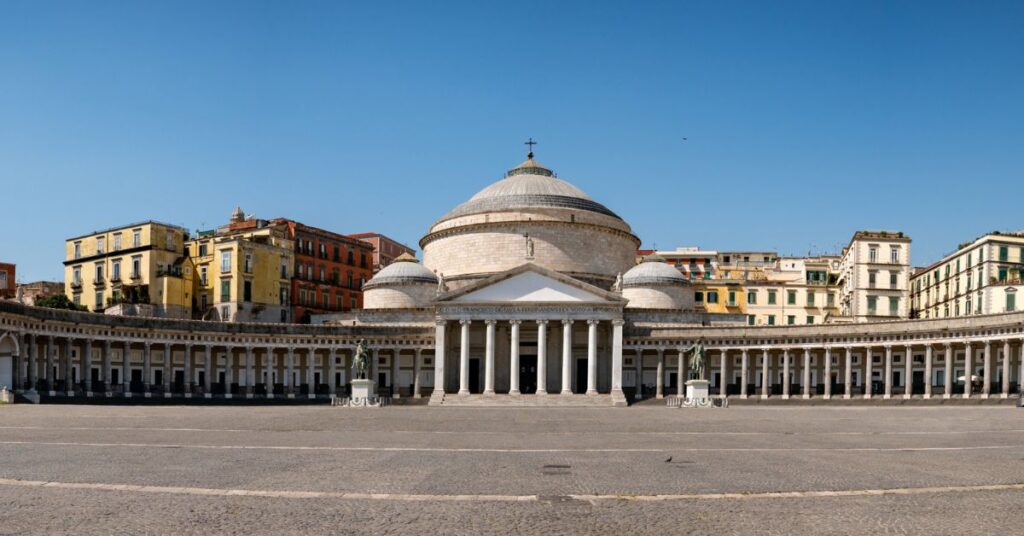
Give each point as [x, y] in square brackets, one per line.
[655, 284]
[652, 271]
[403, 284]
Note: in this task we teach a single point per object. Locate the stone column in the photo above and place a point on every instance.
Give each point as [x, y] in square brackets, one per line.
[69, 385]
[542, 357]
[806, 378]
[269, 371]
[310, 372]
[489, 326]
[250, 373]
[848, 374]
[87, 366]
[464, 359]
[147, 367]
[765, 380]
[968, 370]
[188, 371]
[617, 360]
[592, 357]
[395, 367]
[289, 389]
[229, 370]
[126, 368]
[417, 358]
[948, 392]
[1005, 387]
[888, 372]
[209, 371]
[828, 372]
[332, 369]
[928, 356]
[908, 372]
[786, 381]
[439, 358]
[680, 377]
[659, 383]
[744, 372]
[986, 388]
[639, 374]
[723, 380]
[513, 360]
[167, 370]
[567, 357]
[48, 365]
[106, 367]
[868, 364]
[33, 364]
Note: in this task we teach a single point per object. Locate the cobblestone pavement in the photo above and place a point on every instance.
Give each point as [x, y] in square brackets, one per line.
[745, 470]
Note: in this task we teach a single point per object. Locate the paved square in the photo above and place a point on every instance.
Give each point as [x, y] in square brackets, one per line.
[745, 470]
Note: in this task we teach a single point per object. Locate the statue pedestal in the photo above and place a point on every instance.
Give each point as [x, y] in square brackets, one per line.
[697, 390]
[364, 389]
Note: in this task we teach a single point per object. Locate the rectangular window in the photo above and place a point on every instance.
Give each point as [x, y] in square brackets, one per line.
[872, 305]
[99, 300]
[284, 269]
[872, 276]
[202, 250]
[202, 275]
[77, 299]
[771, 297]
[225, 261]
[750, 320]
[810, 320]
[117, 242]
[248, 262]
[893, 277]
[169, 240]
[101, 243]
[791, 297]
[1011, 302]
[830, 299]
[752, 297]
[790, 320]
[732, 297]
[247, 291]
[771, 320]
[697, 296]
[78, 250]
[115, 270]
[894, 255]
[136, 267]
[810, 298]
[99, 273]
[225, 291]
[873, 254]
[1002, 275]
[136, 238]
[326, 298]
[713, 296]
[1004, 253]
[894, 306]
[77, 277]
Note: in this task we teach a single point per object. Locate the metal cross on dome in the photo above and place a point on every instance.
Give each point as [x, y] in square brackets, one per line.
[530, 143]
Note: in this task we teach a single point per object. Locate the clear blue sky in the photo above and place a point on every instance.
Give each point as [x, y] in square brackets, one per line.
[806, 120]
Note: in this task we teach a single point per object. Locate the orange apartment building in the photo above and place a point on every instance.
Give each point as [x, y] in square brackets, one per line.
[8, 285]
[329, 272]
[385, 250]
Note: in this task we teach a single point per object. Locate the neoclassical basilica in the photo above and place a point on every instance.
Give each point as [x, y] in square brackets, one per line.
[528, 294]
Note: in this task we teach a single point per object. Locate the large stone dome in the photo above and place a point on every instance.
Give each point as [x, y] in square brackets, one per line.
[530, 215]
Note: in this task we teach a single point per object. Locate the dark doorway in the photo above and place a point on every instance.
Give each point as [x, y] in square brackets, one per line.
[115, 377]
[718, 380]
[673, 380]
[179, 381]
[918, 385]
[158, 379]
[94, 376]
[581, 376]
[136, 384]
[528, 374]
[474, 375]
[202, 378]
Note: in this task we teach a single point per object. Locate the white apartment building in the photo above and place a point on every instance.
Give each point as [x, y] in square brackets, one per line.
[874, 277]
[982, 276]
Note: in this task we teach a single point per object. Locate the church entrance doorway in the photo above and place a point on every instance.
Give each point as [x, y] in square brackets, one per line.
[581, 376]
[528, 374]
[474, 375]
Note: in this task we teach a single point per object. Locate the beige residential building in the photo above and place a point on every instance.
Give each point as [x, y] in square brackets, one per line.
[982, 276]
[794, 291]
[138, 264]
[874, 277]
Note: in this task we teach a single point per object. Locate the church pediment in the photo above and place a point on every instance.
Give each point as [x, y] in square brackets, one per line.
[532, 284]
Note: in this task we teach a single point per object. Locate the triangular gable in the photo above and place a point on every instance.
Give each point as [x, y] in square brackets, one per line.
[531, 283]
